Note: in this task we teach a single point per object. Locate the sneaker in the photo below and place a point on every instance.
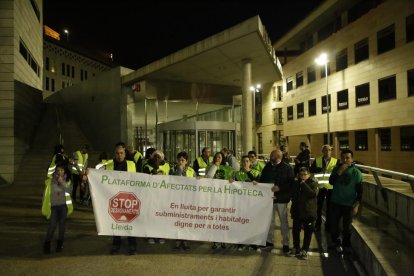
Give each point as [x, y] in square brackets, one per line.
[286, 249]
[161, 241]
[214, 245]
[240, 247]
[294, 253]
[151, 241]
[185, 246]
[303, 255]
[339, 249]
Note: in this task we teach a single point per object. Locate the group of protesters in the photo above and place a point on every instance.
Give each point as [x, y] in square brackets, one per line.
[307, 186]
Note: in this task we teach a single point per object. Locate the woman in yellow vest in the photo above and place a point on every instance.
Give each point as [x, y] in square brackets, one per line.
[56, 206]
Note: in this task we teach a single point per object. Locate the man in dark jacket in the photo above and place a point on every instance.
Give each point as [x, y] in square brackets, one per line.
[281, 176]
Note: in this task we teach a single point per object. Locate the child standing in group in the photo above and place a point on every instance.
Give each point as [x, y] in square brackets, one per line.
[303, 211]
[56, 206]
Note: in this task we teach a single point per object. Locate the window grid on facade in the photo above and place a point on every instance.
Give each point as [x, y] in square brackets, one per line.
[341, 60]
[289, 84]
[277, 116]
[312, 107]
[385, 138]
[410, 82]
[259, 143]
[362, 96]
[29, 57]
[73, 71]
[407, 138]
[311, 74]
[300, 110]
[409, 28]
[290, 113]
[325, 105]
[299, 79]
[63, 68]
[361, 140]
[53, 85]
[387, 89]
[81, 74]
[386, 39]
[342, 100]
[361, 49]
[343, 140]
[47, 84]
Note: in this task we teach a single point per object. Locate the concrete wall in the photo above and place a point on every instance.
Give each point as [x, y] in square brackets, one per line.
[99, 108]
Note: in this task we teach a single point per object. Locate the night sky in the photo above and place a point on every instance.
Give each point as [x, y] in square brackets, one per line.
[140, 32]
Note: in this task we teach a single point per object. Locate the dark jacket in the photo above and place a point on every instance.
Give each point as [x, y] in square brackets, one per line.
[304, 203]
[280, 175]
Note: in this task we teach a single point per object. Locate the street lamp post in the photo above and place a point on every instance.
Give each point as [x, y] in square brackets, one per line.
[323, 60]
[254, 89]
[66, 31]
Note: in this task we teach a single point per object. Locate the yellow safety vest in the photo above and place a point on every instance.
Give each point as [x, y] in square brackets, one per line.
[202, 166]
[137, 156]
[323, 178]
[46, 204]
[163, 169]
[81, 163]
[52, 167]
[130, 166]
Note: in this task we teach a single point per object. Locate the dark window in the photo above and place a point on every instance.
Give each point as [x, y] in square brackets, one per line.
[361, 140]
[386, 39]
[338, 23]
[28, 57]
[361, 50]
[387, 89]
[343, 100]
[328, 68]
[279, 93]
[23, 50]
[63, 84]
[86, 75]
[63, 68]
[341, 60]
[73, 71]
[277, 116]
[343, 140]
[324, 105]
[359, 9]
[311, 74]
[362, 94]
[300, 110]
[68, 70]
[290, 113]
[312, 107]
[35, 9]
[289, 84]
[47, 64]
[407, 138]
[410, 82]
[47, 84]
[409, 28]
[259, 143]
[53, 85]
[385, 138]
[257, 105]
[325, 31]
[81, 74]
[299, 79]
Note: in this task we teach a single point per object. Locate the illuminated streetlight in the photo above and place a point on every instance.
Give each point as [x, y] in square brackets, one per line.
[323, 60]
[66, 31]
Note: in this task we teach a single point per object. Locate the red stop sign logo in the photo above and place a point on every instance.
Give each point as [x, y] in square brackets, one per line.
[124, 207]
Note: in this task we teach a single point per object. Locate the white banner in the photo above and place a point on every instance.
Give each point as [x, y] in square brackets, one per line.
[176, 207]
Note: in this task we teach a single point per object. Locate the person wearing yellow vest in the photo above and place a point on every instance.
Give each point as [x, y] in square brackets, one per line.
[134, 155]
[59, 156]
[80, 163]
[157, 166]
[255, 164]
[56, 205]
[119, 163]
[181, 169]
[321, 168]
[201, 162]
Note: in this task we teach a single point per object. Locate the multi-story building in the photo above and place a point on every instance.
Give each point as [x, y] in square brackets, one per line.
[21, 64]
[65, 64]
[370, 83]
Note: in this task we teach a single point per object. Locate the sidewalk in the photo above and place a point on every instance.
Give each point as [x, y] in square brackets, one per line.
[85, 253]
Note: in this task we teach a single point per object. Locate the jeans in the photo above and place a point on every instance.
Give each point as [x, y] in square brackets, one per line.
[57, 218]
[116, 242]
[282, 211]
[337, 212]
[308, 228]
[324, 193]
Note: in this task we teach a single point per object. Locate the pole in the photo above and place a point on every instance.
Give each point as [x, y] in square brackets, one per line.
[328, 104]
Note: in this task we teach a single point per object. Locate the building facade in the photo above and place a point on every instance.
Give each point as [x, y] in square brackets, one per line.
[21, 64]
[370, 86]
